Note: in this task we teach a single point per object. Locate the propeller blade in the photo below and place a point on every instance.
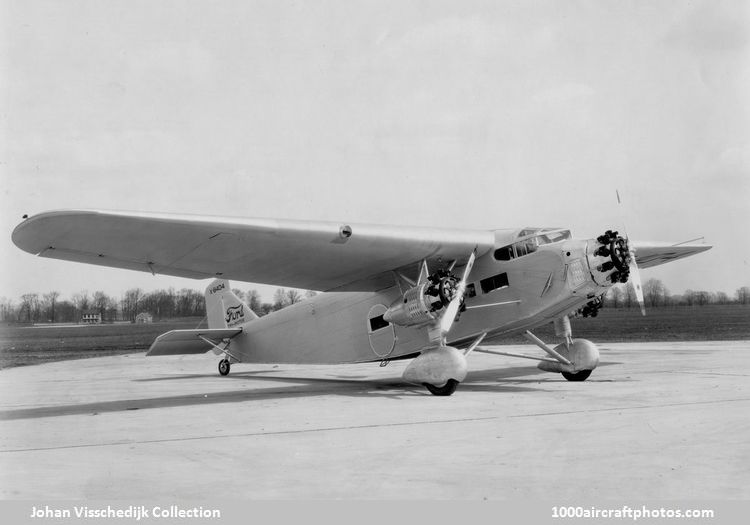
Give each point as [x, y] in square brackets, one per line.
[635, 274]
[423, 272]
[635, 277]
[446, 321]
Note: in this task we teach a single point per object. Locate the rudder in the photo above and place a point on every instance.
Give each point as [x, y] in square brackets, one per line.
[223, 308]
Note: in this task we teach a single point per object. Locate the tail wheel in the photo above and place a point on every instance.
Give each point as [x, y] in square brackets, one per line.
[224, 367]
[583, 375]
[445, 390]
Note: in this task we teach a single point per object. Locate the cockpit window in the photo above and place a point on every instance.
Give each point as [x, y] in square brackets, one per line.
[556, 236]
[505, 253]
[529, 241]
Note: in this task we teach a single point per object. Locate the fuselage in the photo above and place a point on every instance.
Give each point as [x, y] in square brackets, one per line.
[531, 277]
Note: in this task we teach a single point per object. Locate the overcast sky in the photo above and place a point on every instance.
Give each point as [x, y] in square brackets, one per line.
[463, 114]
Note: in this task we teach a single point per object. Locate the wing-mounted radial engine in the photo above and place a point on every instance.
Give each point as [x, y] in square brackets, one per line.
[424, 303]
[435, 303]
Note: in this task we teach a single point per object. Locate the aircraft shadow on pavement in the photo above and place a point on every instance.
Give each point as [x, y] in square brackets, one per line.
[500, 380]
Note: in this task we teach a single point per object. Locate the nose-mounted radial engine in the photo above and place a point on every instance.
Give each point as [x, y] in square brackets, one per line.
[611, 260]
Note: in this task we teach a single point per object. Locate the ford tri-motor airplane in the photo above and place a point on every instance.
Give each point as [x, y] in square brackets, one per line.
[428, 294]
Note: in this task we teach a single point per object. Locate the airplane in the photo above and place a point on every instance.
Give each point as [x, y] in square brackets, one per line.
[432, 295]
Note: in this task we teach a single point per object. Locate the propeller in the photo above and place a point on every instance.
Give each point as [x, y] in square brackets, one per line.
[635, 274]
[445, 323]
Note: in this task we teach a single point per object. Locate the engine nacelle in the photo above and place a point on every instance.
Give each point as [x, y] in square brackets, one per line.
[416, 307]
[437, 366]
[421, 304]
[582, 353]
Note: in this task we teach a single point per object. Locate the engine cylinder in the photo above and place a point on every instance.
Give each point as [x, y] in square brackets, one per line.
[609, 259]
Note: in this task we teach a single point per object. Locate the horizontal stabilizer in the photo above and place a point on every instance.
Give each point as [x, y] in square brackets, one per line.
[179, 342]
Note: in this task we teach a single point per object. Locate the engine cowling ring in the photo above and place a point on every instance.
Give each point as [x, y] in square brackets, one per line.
[620, 254]
[447, 289]
[610, 260]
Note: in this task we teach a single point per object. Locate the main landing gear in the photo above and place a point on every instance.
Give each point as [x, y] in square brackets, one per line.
[583, 375]
[224, 367]
[575, 359]
[445, 390]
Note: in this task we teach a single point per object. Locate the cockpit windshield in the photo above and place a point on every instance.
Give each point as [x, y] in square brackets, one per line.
[529, 240]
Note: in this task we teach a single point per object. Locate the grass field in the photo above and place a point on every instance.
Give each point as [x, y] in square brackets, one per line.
[680, 323]
[32, 345]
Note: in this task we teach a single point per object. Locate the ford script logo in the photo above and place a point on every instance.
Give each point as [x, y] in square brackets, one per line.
[235, 313]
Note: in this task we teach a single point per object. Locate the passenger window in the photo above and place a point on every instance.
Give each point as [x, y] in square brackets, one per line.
[504, 254]
[376, 323]
[520, 249]
[493, 283]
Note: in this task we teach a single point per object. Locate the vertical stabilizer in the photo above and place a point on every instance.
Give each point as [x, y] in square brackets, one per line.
[223, 308]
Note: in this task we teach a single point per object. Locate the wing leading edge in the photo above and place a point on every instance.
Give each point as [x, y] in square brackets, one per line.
[303, 254]
[649, 254]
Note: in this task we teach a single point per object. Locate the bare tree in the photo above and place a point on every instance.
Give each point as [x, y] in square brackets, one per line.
[266, 308]
[654, 292]
[292, 297]
[111, 309]
[253, 301]
[30, 304]
[279, 299]
[81, 301]
[7, 310]
[100, 301]
[743, 295]
[629, 295]
[613, 297]
[65, 312]
[50, 302]
[130, 303]
[703, 298]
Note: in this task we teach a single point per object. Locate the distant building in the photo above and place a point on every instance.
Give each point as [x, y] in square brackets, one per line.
[91, 318]
[144, 318]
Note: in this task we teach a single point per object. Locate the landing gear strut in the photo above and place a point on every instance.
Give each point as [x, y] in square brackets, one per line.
[224, 367]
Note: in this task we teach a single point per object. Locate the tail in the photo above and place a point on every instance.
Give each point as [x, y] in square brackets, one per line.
[223, 308]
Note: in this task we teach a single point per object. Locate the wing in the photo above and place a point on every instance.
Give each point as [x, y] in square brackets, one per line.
[302, 254]
[648, 254]
[189, 341]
